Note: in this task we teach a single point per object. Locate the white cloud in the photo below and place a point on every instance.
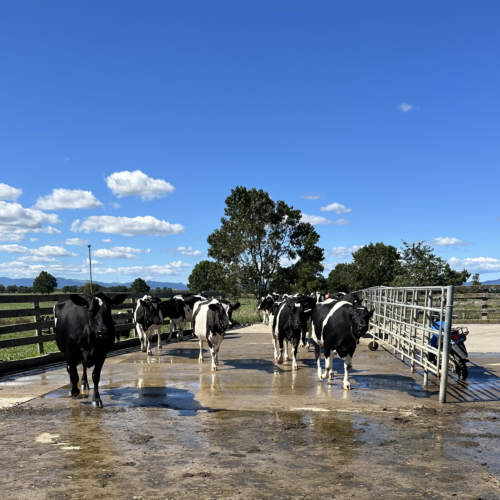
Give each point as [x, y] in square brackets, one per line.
[115, 205]
[286, 262]
[310, 196]
[186, 251]
[343, 252]
[43, 254]
[138, 183]
[126, 226]
[33, 239]
[68, 199]
[106, 240]
[67, 159]
[149, 272]
[24, 270]
[119, 253]
[9, 193]
[405, 107]
[16, 221]
[77, 241]
[476, 264]
[447, 242]
[330, 265]
[317, 220]
[338, 208]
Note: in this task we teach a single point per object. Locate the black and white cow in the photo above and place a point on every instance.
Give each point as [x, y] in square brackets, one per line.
[229, 309]
[308, 306]
[148, 319]
[287, 330]
[175, 310]
[337, 326]
[189, 302]
[266, 305]
[85, 332]
[210, 322]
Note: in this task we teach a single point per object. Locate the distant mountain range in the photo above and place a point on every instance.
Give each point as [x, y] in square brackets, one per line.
[71, 282]
[491, 282]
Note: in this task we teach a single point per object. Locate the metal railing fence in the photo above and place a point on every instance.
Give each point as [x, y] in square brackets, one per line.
[402, 321]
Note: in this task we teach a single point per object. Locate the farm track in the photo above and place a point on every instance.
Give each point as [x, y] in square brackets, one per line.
[171, 428]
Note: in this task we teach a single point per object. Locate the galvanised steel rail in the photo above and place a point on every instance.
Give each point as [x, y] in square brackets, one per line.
[402, 321]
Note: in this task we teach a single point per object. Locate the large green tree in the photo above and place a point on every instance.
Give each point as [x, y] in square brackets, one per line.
[421, 267]
[256, 235]
[209, 275]
[375, 264]
[44, 283]
[139, 286]
[95, 288]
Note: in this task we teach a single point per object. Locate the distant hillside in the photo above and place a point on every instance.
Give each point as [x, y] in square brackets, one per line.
[71, 282]
[491, 282]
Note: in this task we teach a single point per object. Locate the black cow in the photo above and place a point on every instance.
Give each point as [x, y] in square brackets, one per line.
[124, 321]
[210, 322]
[175, 310]
[189, 300]
[337, 326]
[287, 328]
[229, 309]
[148, 319]
[85, 332]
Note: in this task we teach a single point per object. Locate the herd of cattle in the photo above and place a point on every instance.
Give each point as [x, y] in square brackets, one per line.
[85, 331]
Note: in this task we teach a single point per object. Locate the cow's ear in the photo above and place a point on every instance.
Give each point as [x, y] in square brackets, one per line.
[78, 300]
[236, 306]
[118, 299]
[370, 313]
[214, 307]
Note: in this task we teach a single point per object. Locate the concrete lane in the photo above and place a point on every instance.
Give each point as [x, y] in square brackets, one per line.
[172, 428]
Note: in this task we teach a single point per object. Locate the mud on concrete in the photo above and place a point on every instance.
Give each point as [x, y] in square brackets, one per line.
[171, 428]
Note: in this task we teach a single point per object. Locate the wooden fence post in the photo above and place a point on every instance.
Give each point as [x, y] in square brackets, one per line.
[36, 305]
[484, 308]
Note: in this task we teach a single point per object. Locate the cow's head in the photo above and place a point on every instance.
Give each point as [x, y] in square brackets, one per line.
[152, 310]
[359, 317]
[219, 319]
[99, 305]
[295, 310]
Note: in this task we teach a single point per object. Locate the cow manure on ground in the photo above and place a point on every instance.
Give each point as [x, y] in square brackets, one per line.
[198, 474]
[140, 439]
[468, 444]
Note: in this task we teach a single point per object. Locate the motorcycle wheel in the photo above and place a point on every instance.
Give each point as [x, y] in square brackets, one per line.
[373, 346]
[463, 371]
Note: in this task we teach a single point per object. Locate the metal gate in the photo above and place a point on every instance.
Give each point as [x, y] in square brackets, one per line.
[402, 320]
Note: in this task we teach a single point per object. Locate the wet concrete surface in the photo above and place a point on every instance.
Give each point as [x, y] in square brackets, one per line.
[172, 428]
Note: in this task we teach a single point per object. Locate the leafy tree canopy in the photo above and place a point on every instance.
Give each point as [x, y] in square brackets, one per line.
[420, 267]
[44, 283]
[2, 288]
[256, 235]
[209, 275]
[139, 286]
[475, 279]
[95, 288]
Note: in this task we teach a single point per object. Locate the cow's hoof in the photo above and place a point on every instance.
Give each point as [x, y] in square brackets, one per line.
[200, 360]
[214, 368]
[279, 361]
[295, 367]
[143, 349]
[331, 376]
[324, 376]
[97, 403]
[85, 386]
[150, 353]
[74, 393]
[347, 387]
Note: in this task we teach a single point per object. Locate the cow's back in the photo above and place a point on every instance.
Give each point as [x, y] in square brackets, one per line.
[69, 326]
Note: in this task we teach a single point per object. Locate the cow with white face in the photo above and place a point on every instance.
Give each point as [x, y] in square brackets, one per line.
[210, 322]
[266, 305]
[148, 319]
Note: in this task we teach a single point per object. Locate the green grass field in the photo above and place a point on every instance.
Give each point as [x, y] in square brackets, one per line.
[244, 315]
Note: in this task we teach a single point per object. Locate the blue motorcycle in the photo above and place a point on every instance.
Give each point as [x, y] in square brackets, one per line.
[458, 352]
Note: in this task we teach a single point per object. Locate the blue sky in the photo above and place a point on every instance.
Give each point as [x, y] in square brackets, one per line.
[385, 113]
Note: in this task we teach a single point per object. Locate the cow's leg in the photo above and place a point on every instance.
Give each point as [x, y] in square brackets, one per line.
[96, 377]
[309, 330]
[149, 338]
[280, 344]
[211, 346]
[158, 331]
[295, 343]
[328, 373]
[347, 367]
[180, 334]
[287, 357]
[85, 380]
[73, 379]
[303, 338]
[317, 354]
[200, 359]
[142, 336]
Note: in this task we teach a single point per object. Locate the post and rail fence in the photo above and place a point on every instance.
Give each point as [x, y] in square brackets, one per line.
[44, 327]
